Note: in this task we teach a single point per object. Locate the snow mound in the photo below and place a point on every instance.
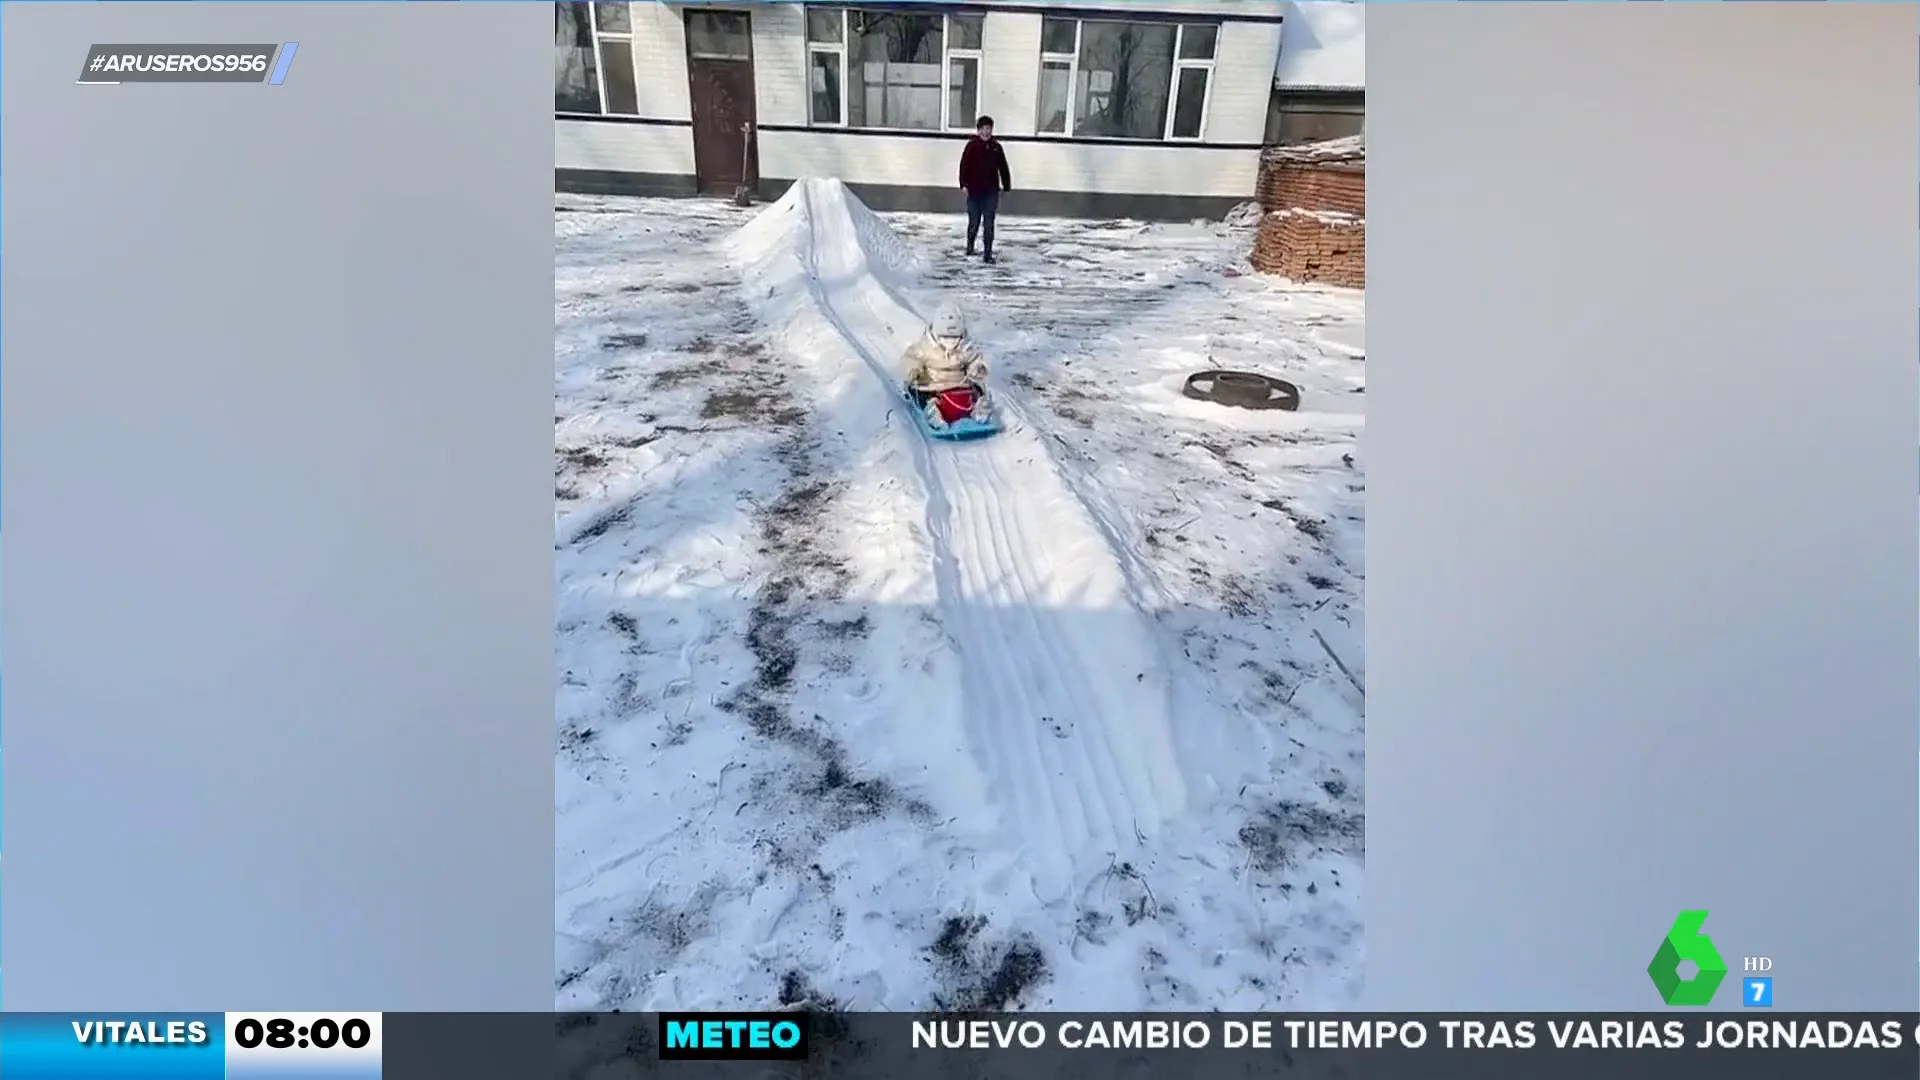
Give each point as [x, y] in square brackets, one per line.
[1323, 44]
[787, 227]
[1246, 215]
[1031, 582]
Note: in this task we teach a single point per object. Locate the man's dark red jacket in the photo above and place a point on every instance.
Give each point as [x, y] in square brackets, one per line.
[983, 167]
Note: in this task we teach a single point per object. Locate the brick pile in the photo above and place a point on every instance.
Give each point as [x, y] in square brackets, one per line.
[1314, 225]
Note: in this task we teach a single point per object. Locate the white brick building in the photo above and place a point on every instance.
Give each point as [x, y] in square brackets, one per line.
[1154, 109]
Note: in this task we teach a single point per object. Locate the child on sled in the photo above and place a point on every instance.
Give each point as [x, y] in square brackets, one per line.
[946, 375]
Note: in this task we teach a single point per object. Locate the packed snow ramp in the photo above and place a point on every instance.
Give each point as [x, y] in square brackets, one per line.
[1066, 696]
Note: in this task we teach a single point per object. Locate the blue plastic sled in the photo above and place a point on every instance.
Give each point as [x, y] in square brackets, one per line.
[964, 429]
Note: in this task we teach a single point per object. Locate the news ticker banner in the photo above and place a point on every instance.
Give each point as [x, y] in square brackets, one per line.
[111, 65]
[882, 1046]
[1673, 1045]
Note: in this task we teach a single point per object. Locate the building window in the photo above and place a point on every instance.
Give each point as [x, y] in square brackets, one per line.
[719, 35]
[893, 69]
[593, 59]
[1106, 79]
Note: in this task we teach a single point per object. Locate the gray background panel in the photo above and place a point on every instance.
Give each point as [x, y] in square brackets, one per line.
[277, 632]
[1644, 506]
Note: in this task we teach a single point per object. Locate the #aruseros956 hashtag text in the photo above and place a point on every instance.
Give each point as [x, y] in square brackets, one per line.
[176, 63]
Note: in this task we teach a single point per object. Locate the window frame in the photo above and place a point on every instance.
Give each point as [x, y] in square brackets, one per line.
[596, 36]
[1071, 62]
[948, 54]
[694, 52]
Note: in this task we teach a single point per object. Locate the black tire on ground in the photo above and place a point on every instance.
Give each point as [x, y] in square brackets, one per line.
[1243, 390]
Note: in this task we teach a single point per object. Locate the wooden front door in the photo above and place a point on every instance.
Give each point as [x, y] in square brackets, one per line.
[720, 80]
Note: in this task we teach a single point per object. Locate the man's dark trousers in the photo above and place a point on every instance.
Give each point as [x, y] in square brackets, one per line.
[981, 207]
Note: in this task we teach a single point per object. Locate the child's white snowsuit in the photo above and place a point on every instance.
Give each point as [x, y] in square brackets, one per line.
[943, 358]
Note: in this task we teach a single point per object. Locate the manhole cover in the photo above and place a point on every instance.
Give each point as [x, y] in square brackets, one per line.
[1243, 389]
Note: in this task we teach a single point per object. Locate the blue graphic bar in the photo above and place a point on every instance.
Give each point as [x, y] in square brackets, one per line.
[286, 61]
[113, 1046]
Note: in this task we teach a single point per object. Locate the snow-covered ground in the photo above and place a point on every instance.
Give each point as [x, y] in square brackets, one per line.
[1069, 718]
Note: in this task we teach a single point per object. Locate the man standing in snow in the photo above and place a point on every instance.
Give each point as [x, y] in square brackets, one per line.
[983, 176]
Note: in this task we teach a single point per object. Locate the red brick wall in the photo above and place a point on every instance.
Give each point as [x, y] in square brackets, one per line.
[1315, 227]
[1296, 186]
[1308, 248]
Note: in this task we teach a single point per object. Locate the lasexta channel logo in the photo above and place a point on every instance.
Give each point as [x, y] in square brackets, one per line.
[1686, 941]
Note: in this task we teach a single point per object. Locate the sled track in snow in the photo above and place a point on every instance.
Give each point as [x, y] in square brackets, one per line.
[1066, 696]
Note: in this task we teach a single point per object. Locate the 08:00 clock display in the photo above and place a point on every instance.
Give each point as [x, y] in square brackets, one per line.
[282, 1034]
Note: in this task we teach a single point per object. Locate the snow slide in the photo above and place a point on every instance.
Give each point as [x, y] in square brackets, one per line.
[1065, 694]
